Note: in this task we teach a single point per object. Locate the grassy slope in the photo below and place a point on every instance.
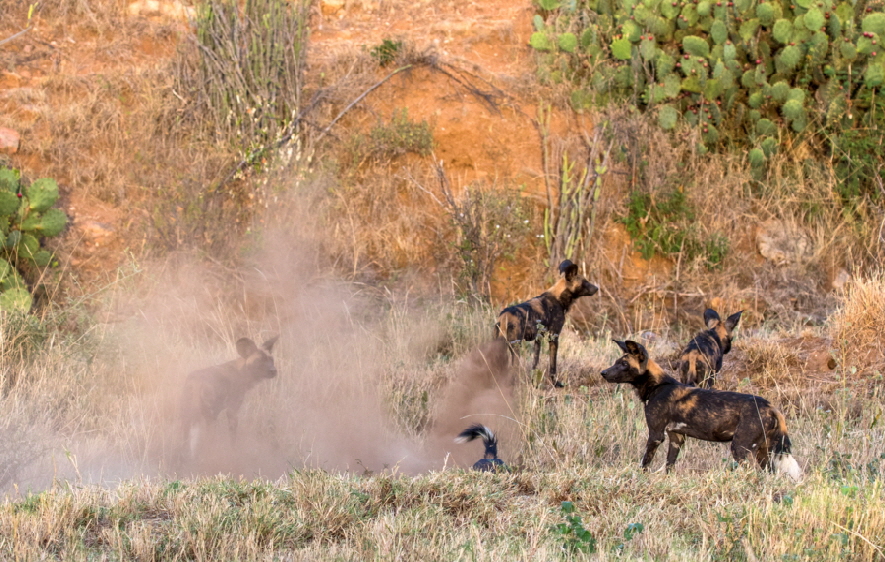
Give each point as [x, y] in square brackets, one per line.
[336, 501]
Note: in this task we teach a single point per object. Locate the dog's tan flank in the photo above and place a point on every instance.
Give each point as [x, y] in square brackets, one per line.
[754, 427]
[544, 315]
[701, 360]
[222, 388]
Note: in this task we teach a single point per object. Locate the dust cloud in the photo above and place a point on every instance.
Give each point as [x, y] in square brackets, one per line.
[329, 407]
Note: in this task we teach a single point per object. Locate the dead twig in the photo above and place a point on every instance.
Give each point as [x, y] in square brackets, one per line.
[20, 33]
[360, 98]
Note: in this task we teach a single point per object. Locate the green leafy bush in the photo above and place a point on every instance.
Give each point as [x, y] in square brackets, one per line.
[663, 223]
[722, 67]
[386, 52]
[393, 138]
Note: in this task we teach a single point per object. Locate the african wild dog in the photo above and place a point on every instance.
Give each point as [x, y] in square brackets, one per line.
[544, 314]
[701, 360]
[490, 461]
[210, 391]
[751, 424]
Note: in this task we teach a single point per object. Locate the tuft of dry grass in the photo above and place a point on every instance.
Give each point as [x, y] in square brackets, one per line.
[856, 326]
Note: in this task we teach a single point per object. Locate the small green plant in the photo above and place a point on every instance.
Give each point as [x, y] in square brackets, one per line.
[630, 531]
[658, 224]
[401, 135]
[26, 217]
[386, 52]
[396, 137]
[662, 223]
[575, 538]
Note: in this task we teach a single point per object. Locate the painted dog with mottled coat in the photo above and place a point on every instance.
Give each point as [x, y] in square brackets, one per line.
[545, 314]
[752, 425]
[490, 461]
[222, 388]
[701, 360]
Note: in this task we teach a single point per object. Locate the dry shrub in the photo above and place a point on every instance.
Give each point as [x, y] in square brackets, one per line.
[856, 327]
[726, 199]
[243, 71]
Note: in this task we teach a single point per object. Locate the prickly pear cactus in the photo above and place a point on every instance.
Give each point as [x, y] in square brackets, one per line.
[26, 217]
[749, 71]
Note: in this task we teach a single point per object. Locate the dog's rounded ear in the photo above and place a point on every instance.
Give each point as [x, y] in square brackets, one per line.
[637, 349]
[568, 269]
[246, 347]
[711, 318]
[733, 320]
[622, 345]
[268, 345]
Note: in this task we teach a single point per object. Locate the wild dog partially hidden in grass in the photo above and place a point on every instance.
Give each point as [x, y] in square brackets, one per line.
[210, 391]
[751, 423]
[490, 462]
[545, 314]
[701, 360]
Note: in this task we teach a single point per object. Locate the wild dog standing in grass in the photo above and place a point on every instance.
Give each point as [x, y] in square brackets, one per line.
[751, 424]
[545, 314]
[701, 360]
[490, 462]
[210, 391]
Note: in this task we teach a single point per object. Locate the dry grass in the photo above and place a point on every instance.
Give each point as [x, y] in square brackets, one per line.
[349, 452]
[856, 327]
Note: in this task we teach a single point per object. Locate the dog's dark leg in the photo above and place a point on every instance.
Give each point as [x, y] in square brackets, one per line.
[763, 457]
[676, 441]
[554, 347]
[655, 438]
[232, 423]
[537, 353]
[741, 447]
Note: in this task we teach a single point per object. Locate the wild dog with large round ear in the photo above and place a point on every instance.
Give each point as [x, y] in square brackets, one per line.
[490, 461]
[222, 388]
[701, 360]
[544, 315]
[752, 425]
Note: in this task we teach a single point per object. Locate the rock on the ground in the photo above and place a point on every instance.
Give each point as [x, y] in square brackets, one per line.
[9, 140]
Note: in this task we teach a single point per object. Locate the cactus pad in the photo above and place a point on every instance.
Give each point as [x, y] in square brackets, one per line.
[16, 300]
[9, 180]
[9, 203]
[757, 157]
[41, 194]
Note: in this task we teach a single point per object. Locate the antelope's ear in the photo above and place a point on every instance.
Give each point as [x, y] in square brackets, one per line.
[622, 345]
[268, 345]
[732, 321]
[711, 318]
[568, 270]
[246, 347]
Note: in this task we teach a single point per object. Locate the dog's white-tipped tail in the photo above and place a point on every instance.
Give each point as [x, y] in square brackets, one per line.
[785, 463]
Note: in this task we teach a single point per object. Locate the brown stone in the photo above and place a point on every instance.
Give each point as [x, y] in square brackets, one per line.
[9, 140]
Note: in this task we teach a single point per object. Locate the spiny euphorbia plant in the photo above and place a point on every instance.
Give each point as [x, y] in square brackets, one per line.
[755, 68]
[26, 217]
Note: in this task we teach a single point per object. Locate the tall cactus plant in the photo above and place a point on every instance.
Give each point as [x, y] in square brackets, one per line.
[27, 216]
